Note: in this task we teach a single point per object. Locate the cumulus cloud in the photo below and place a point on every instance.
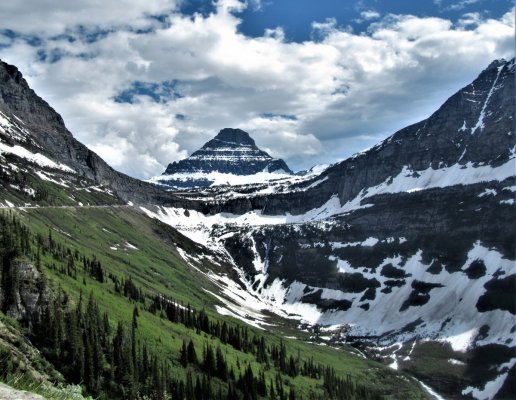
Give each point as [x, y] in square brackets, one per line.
[310, 102]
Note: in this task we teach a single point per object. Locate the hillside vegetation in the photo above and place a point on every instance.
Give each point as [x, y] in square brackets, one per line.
[110, 303]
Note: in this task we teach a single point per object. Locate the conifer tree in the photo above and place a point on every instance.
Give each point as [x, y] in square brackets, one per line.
[184, 354]
[192, 355]
[222, 369]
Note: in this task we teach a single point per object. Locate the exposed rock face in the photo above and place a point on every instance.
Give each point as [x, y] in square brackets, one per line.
[232, 152]
[49, 133]
[31, 295]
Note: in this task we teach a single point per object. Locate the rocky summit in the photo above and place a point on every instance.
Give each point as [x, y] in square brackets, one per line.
[230, 157]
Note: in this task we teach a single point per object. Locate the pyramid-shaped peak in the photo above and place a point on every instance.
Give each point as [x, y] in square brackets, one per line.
[233, 152]
[235, 136]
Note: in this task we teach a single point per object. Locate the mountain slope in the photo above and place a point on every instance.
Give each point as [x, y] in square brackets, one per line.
[407, 247]
[473, 128]
[126, 306]
[34, 125]
[231, 157]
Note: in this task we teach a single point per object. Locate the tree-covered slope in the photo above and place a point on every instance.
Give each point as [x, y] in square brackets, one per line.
[108, 300]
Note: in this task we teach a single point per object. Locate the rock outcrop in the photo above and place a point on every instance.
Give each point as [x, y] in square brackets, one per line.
[232, 151]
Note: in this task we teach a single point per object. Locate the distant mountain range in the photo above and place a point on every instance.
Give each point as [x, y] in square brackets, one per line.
[230, 158]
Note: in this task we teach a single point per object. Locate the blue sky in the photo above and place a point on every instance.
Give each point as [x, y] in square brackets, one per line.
[296, 16]
[147, 83]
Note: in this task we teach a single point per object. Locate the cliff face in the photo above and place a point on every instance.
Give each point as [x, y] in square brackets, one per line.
[232, 151]
[22, 292]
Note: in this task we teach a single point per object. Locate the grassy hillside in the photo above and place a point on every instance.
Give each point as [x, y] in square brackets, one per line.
[123, 261]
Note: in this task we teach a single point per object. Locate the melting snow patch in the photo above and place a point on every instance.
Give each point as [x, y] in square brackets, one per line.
[219, 178]
[480, 122]
[370, 241]
[453, 361]
[491, 388]
[462, 341]
[316, 183]
[130, 246]
[123, 246]
[62, 232]
[431, 392]
[46, 177]
[488, 192]
[37, 158]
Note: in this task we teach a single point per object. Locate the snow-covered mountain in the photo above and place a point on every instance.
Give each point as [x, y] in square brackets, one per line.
[230, 158]
[408, 248]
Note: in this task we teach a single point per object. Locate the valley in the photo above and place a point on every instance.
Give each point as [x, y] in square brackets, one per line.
[387, 275]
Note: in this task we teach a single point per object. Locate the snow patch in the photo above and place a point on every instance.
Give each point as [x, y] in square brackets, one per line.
[480, 122]
[491, 388]
[488, 192]
[453, 361]
[36, 158]
[431, 392]
[462, 341]
[123, 246]
[219, 178]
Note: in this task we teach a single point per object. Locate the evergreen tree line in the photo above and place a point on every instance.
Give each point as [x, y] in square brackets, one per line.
[116, 364]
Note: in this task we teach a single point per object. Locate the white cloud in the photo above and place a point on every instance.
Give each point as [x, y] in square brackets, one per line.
[346, 90]
[54, 17]
[469, 19]
[461, 4]
[369, 14]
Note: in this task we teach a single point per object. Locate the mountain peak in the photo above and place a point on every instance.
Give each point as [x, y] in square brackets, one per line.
[498, 63]
[231, 156]
[234, 136]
